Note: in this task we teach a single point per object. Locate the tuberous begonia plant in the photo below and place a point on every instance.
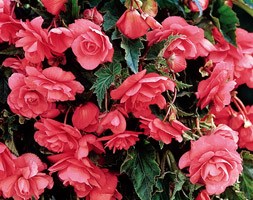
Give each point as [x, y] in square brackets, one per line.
[126, 99]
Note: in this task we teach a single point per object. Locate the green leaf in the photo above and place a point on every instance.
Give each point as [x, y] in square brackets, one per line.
[233, 193]
[11, 50]
[172, 5]
[181, 86]
[4, 88]
[247, 174]
[141, 167]
[155, 50]
[75, 9]
[246, 5]
[225, 19]
[132, 52]
[109, 21]
[105, 77]
[111, 14]
[94, 3]
[162, 190]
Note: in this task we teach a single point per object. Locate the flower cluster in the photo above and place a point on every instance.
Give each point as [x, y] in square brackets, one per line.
[112, 92]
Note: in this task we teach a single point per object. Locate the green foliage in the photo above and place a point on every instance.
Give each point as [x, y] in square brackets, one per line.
[111, 14]
[246, 5]
[233, 193]
[162, 190]
[173, 5]
[75, 8]
[141, 167]
[94, 3]
[247, 174]
[4, 88]
[132, 52]
[11, 50]
[225, 19]
[181, 86]
[155, 50]
[105, 77]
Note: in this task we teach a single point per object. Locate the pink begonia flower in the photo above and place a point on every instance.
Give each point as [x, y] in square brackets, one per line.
[108, 192]
[194, 8]
[7, 165]
[88, 143]
[93, 15]
[54, 6]
[119, 141]
[60, 39]
[176, 61]
[217, 87]
[163, 131]
[56, 136]
[91, 46]
[25, 101]
[225, 131]
[203, 195]
[54, 83]
[140, 90]
[214, 162]
[238, 122]
[115, 121]
[188, 41]
[85, 117]
[240, 57]
[27, 181]
[34, 40]
[224, 51]
[128, 22]
[19, 65]
[8, 28]
[82, 174]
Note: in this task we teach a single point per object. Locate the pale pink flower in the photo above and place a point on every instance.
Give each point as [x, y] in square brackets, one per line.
[82, 174]
[91, 46]
[60, 39]
[214, 162]
[54, 83]
[140, 90]
[24, 100]
[121, 141]
[54, 6]
[27, 181]
[217, 87]
[56, 136]
[34, 40]
[85, 117]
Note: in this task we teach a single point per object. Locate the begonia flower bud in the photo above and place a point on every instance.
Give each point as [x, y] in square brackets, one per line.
[85, 117]
[93, 15]
[132, 25]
